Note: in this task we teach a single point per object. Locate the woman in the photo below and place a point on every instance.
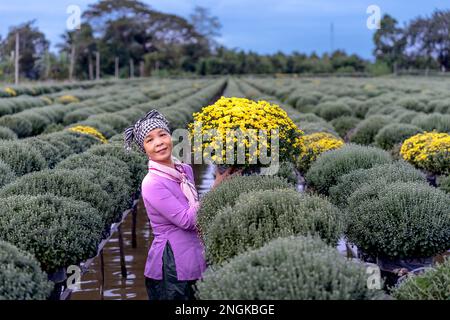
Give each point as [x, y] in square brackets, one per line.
[176, 257]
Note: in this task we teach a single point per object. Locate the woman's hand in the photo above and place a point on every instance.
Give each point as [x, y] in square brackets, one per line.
[225, 175]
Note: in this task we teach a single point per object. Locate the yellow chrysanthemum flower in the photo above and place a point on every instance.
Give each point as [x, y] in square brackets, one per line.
[89, 131]
[66, 99]
[312, 145]
[429, 151]
[255, 119]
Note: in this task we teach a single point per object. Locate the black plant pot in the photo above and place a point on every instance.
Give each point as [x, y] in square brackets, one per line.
[394, 269]
[59, 278]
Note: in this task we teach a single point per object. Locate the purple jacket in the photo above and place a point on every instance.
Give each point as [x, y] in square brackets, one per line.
[172, 220]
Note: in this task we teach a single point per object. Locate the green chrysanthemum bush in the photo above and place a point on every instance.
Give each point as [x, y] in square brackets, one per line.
[63, 183]
[118, 190]
[287, 269]
[398, 171]
[433, 284]
[329, 166]
[434, 121]
[109, 164]
[7, 134]
[64, 148]
[444, 183]
[399, 220]
[6, 174]
[344, 124]
[117, 122]
[136, 161]
[260, 216]
[315, 127]
[395, 133]
[21, 127]
[333, 110]
[102, 127]
[77, 142]
[21, 157]
[307, 117]
[229, 190]
[288, 171]
[21, 278]
[58, 231]
[46, 149]
[367, 129]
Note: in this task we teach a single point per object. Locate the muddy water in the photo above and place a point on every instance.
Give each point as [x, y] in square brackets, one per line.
[115, 287]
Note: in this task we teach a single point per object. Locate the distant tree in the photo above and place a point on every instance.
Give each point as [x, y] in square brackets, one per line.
[206, 25]
[429, 39]
[390, 43]
[85, 48]
[33, 46]
[130, 30]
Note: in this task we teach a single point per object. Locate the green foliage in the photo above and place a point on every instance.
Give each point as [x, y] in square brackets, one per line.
[287, 269]
[399, 220]
[63, 183]
[326, 170]
[58, 231]
[333, 110]
[314, 127]
[229, 190]
[136, 161]
[22, 127]
[21, 278]
[395, 133]
[6, 174]
[7, 134]
[288, 171]
[367, 129]
[109, 164]
[21, 157]
[260, 216]
[444, 183]
[433, 284]
[399, 171]
[344, 124]
[46, 149]
[433, 121]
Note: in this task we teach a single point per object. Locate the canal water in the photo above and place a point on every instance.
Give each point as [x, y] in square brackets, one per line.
[114, 286]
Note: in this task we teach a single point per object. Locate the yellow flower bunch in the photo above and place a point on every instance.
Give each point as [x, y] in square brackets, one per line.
[312, 145]
[429, 151]
[10, 91]
[218, 124]
[66, 99]
[47, 100]
[89, 131]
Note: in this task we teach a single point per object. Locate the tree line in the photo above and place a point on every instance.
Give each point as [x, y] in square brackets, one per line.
[127, 38]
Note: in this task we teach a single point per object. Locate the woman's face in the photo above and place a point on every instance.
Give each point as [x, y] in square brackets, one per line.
[158, 145]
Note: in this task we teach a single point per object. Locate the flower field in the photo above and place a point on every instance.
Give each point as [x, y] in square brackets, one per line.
[373, 159]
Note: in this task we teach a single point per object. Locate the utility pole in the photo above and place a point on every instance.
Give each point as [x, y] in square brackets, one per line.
[97, 65]
[142, 69]
[131, 68]
[90, 67]
[72, 62]
[16, 58]
[116, 67]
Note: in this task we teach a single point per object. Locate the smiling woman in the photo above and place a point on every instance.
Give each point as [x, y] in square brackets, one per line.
[175, 260]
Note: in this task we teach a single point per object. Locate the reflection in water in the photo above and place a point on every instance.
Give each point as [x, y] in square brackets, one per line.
[116, 287]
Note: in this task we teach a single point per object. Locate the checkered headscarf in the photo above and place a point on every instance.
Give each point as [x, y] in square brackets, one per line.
[138, 132]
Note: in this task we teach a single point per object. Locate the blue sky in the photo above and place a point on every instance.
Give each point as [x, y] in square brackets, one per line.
[264, 26]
